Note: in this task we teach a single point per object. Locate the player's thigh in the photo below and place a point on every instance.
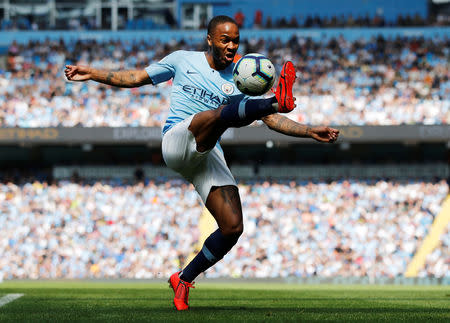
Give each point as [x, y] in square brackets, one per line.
[207, 129]
[179, 149]
[212, 171]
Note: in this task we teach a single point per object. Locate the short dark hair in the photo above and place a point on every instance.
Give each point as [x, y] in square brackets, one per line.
[217, 20]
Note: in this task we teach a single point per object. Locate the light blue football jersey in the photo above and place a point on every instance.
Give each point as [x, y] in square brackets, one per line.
[196, 86]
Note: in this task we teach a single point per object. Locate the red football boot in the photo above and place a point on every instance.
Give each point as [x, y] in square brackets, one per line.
[283, 91]
[181, 290]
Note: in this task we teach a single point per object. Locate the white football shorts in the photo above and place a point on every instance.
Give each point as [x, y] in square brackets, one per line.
[203, 169]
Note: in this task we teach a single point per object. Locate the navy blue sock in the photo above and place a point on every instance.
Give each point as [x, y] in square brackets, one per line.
[246, 111]
[215, 247]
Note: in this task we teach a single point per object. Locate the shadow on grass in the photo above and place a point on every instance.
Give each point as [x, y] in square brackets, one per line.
[234, 299]
[223, 313]
[318, 309]
[339, 299]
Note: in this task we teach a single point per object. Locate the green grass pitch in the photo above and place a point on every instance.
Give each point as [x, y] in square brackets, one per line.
[231, 302]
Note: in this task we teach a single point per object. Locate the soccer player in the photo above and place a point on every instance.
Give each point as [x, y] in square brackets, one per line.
[204, 103]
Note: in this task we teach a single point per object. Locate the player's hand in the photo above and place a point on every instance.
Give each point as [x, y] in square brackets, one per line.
[77, 73]
[324, 134]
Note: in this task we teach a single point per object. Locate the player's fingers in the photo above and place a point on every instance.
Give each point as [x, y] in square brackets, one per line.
[68, 75]
[71, 73]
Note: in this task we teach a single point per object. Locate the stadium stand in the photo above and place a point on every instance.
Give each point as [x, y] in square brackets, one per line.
[104, 230]
[364, 82]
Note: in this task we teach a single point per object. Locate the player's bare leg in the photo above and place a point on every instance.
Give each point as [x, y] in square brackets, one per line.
[224, 204]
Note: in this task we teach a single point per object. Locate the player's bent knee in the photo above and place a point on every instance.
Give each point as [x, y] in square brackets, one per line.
[233, 231]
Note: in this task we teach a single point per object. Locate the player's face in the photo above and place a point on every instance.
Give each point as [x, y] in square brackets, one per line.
[224, 43]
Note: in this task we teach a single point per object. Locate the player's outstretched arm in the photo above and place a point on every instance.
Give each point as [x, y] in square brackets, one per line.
[129, 79]
[289, 127]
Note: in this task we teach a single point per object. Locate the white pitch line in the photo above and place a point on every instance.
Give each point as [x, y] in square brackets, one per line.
[9, 298]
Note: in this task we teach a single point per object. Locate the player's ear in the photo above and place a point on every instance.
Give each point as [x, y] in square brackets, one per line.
[209, 40]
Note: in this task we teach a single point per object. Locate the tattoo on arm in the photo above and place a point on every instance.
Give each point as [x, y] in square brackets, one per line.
[109, 77]
[119, 78]
[307, 131]
[287, 126]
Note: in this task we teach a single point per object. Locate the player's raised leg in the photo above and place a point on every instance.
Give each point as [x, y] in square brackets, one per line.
[250, 109]
[208, 126]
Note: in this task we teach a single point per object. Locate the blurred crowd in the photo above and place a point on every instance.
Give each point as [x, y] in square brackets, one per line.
[302, 229]
[347, 21]
[349, 228]
[259, 21]
[365, 82]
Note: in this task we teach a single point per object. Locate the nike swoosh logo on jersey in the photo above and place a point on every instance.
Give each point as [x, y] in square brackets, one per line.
[191, 72]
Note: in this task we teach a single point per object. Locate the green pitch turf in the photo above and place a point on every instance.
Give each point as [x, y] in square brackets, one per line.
[236, 302]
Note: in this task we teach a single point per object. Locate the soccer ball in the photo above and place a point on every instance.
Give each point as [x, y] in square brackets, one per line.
[254, 74]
